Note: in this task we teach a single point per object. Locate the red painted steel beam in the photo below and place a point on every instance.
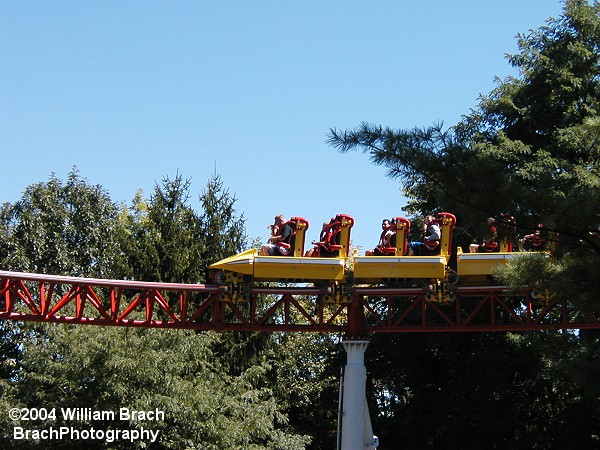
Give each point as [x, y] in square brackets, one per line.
[90, 301]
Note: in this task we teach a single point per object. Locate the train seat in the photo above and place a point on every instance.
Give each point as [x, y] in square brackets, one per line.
[328, 244]
[334, 240]
[397, 242]
[295, 244]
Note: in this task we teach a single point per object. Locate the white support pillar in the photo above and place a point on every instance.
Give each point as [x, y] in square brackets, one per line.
[357, 433]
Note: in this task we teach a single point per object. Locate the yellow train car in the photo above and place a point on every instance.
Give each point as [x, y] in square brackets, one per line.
[280, 268]
[330, 264]
[478, 264]
[393, 263]
[479, 268]
[325, 262]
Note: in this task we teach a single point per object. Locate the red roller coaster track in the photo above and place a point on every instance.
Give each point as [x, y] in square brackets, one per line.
[58, 299]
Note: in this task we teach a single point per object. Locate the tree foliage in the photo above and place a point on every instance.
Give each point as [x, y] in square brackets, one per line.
[305, 377]
[62, 229]
[209, 402]
[496, 391]
[529, 150]
[165, 239]
[223, 231]
[147, 370]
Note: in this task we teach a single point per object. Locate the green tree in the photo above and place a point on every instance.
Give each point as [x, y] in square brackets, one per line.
[305, 375]
[106, 369]
[162, 237]
[62, 229]
[223, 231]
[215, 389]
[471, 391]
[165, 239]
[531, 150]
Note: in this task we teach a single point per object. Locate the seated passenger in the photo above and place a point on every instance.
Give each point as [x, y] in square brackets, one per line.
[534, 242]
[274, 229]
[279, 243]
[431, 241]
[385, 241]
[489, 239]
[328, 244]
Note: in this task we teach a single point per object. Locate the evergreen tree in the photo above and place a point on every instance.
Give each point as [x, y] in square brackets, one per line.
[162, 237]
[531, 150]
[165, 239]
[187, 375]
[223, 231]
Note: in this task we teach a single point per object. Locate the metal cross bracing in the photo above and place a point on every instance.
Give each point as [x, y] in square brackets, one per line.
[368, 309]
[362, 310]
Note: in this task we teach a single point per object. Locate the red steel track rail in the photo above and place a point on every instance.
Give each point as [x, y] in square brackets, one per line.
[59, 299]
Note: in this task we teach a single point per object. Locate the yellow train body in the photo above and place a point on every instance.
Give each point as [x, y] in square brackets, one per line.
[283, 268]
[296, 267]
[469, 264]
[387, 265]
[396, 266]
[375, 269]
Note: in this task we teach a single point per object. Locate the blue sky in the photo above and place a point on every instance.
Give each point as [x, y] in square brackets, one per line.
[131, 92]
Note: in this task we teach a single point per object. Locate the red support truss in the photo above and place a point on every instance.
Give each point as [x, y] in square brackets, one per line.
[57, 299]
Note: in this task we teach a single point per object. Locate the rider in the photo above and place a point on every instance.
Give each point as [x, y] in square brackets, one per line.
[534, 241]
[432, 235]
[280, 239]
[489, 239]
[384, 241]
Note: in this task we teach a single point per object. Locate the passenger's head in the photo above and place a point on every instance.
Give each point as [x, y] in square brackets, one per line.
[279, 220]
[429, 219]
[385, 223]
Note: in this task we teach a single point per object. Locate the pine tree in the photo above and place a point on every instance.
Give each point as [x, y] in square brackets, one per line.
[530, 150]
